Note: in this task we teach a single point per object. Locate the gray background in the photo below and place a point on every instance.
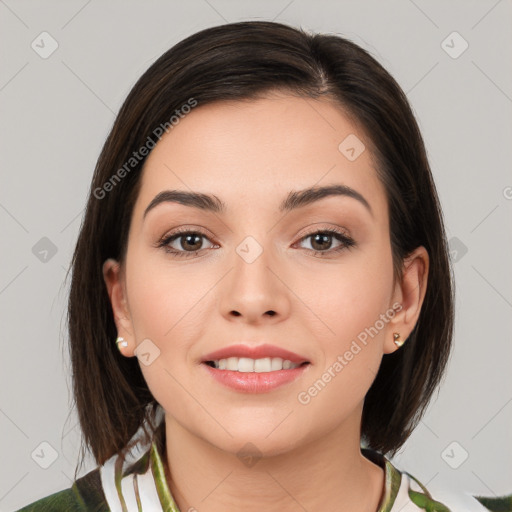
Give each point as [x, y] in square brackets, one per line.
[57, 111]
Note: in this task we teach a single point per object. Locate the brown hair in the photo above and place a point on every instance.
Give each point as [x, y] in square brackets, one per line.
[242, 61]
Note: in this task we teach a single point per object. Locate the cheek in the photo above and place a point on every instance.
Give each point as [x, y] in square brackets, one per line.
[164, 298]
[166, 308]
[353, 305]
[350, 297]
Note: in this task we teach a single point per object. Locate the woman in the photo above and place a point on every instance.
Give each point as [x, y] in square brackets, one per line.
[261, 302]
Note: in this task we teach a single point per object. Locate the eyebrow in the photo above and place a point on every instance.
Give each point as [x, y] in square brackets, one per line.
[295, 199]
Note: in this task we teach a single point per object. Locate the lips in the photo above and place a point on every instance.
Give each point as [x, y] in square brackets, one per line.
[254, 352]
[252, 382]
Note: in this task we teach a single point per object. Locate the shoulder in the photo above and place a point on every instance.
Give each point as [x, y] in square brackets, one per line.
[403, 492]
[445, 499]
[85, 494]
[413, 492]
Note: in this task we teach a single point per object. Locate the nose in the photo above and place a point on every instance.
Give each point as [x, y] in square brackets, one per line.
[255, 289]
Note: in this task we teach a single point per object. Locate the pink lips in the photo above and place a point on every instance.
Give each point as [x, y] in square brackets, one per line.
[257, 352]
[252, 382]
[255, 382]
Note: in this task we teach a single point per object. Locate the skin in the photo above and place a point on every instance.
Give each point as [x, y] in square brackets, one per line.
[251, 155]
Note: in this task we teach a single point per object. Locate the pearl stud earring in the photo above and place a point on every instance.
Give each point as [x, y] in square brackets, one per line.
[397, 340]
[121, 342]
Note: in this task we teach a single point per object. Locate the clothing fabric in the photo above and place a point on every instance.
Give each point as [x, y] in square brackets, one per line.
[137, 482]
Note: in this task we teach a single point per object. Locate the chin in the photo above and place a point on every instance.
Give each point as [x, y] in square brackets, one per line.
[253, 440]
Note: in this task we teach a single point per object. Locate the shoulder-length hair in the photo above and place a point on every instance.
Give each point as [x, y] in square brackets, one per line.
[244, 61]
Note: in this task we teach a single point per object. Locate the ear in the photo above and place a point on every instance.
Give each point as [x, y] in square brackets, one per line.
[409, 294]
[116, 288]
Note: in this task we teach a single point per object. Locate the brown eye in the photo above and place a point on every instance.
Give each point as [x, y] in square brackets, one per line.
[184, 243]
[191, 242]
[321, 242]
[188, 242]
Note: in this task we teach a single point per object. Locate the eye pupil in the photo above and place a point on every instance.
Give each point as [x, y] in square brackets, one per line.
[318, 238]
[190, 237]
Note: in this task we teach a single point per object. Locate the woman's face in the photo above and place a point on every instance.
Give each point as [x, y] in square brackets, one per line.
[250, 274]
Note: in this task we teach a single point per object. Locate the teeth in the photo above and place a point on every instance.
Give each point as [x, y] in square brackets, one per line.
[246, 364]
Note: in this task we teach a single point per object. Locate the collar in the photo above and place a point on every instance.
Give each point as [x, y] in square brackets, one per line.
[136, 479]
[392, 479]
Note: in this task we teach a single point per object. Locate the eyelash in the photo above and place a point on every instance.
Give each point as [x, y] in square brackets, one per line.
[346, 242]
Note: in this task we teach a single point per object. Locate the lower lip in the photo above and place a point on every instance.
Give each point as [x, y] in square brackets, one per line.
[255, 382]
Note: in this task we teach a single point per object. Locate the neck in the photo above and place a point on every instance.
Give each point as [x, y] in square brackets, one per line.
[329, 473]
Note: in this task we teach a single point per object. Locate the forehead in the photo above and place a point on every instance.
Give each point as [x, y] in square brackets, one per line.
[253, 152]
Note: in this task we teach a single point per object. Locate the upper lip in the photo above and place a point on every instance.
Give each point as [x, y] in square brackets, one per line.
[254, 352]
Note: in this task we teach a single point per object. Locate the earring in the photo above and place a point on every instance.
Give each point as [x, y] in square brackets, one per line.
[397, 340]
[122, 343]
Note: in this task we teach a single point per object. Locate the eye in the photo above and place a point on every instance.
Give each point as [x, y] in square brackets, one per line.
[184, 242]
[322, 241]
[188, 243]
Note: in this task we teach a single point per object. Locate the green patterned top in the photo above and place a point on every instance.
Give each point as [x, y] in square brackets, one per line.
[137, 482]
